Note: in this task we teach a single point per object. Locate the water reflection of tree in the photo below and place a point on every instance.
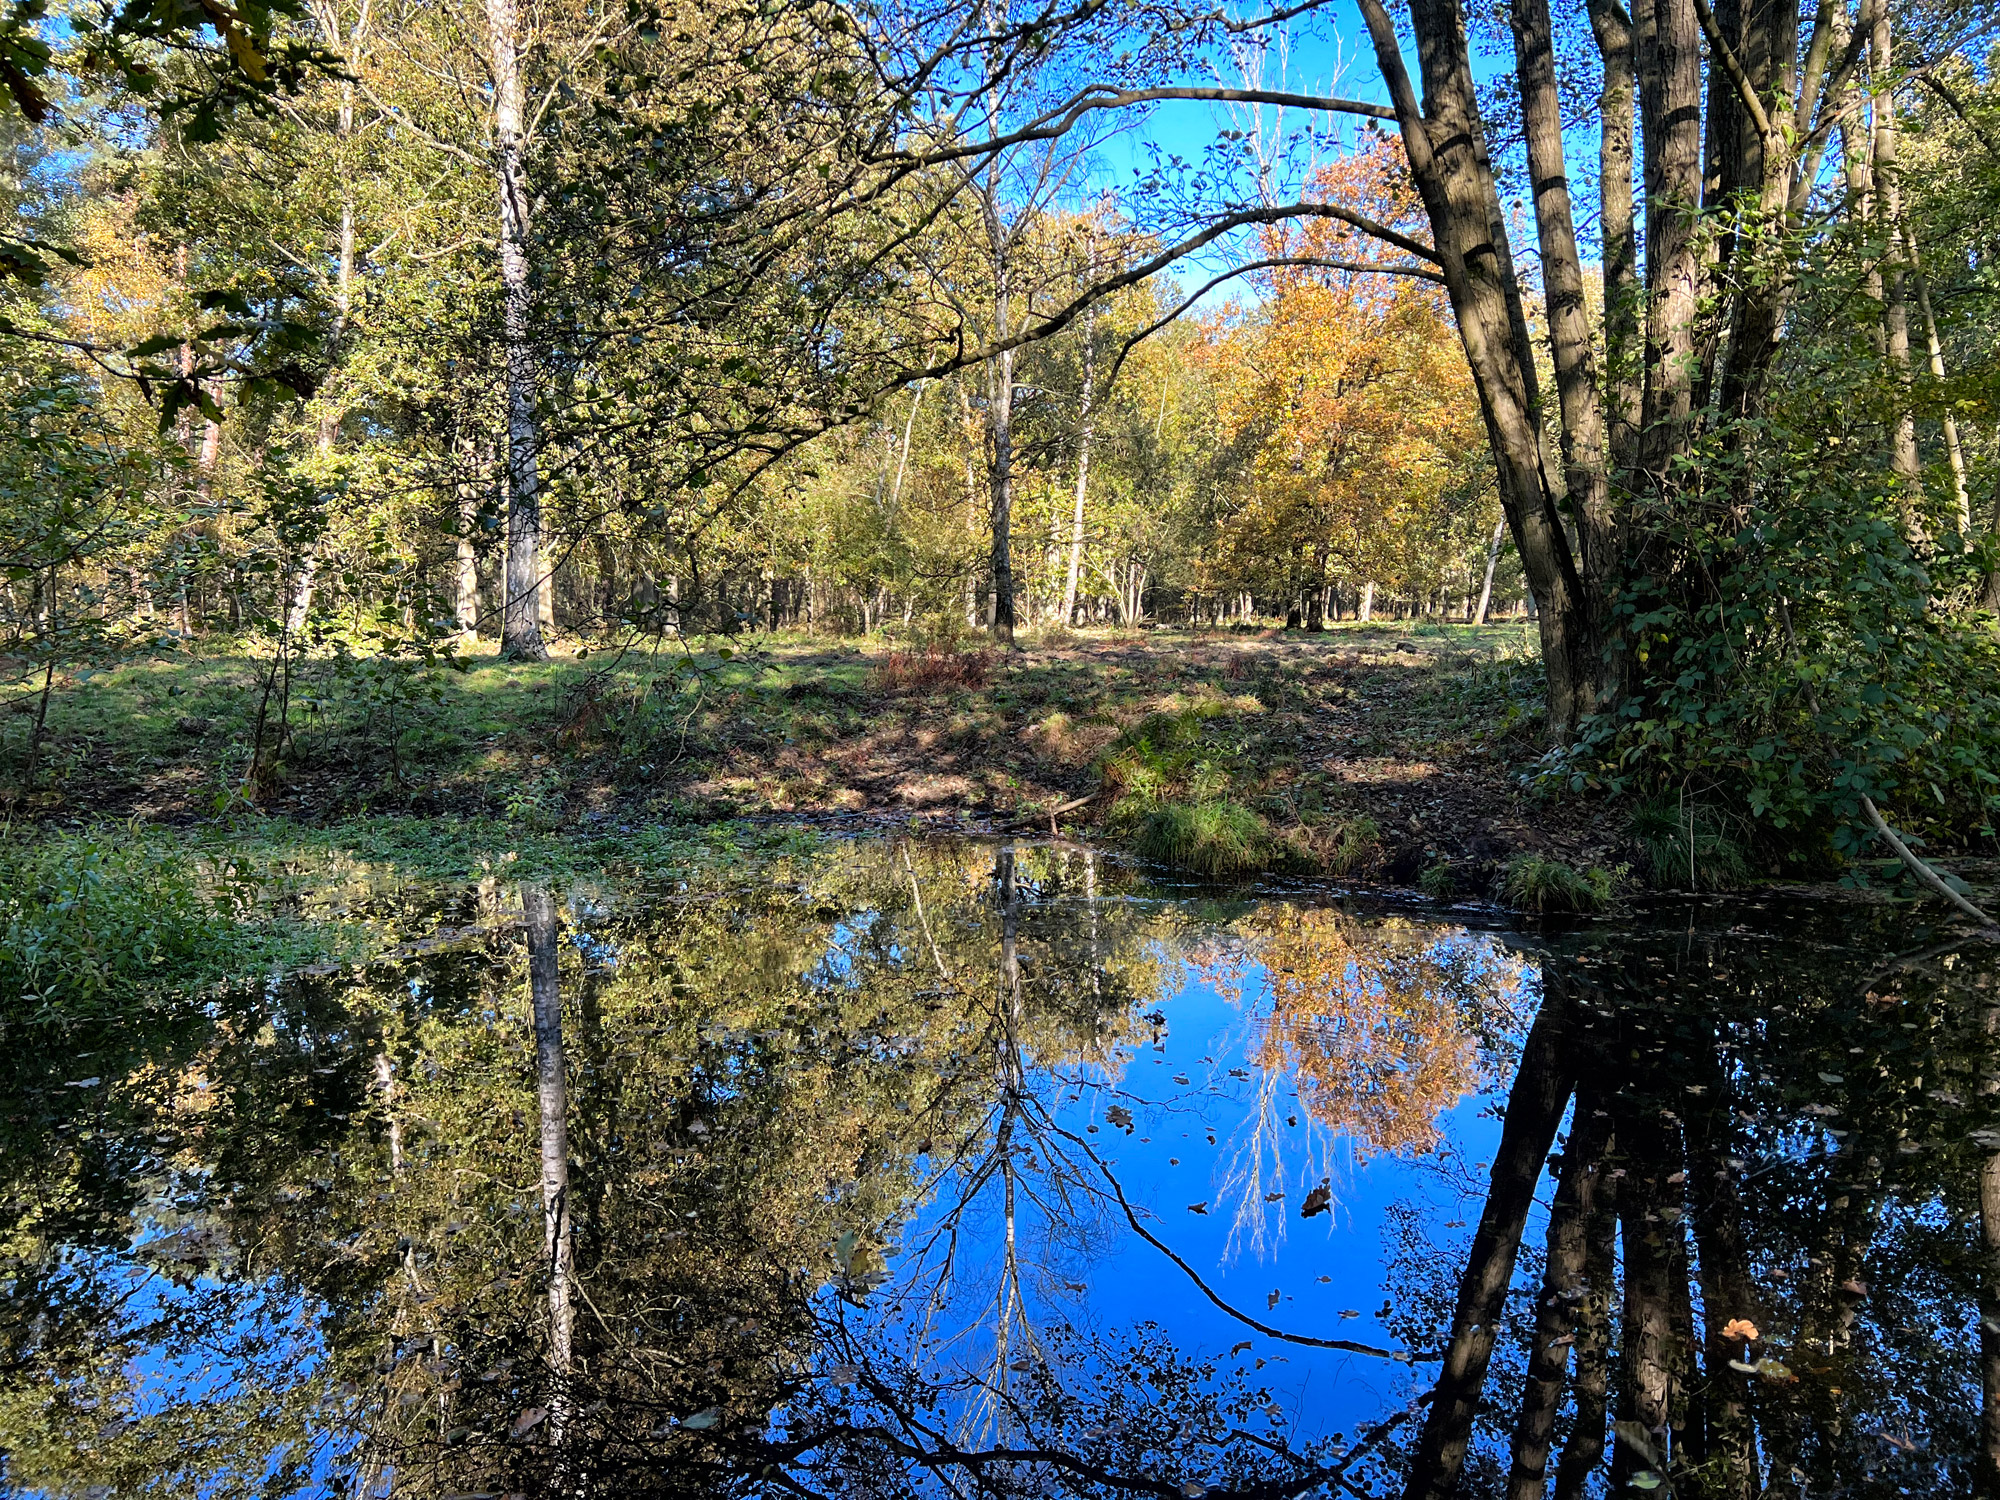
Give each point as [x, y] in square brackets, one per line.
[727, 1104]
[1378, 1027]
[1764, 1245]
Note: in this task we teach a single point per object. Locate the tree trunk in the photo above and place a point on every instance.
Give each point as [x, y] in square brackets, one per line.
[305, 579]
[551, 1089]
[466, 594]
[1668, 48]
[1535, 1108]
[1584, 1452]
[1367, 611]
[1612, 27]
[1556, 1310]
[1728, 1292]
[1903, 459]
[1492, 561]
[1954, 448]
[520, 620]
[1083, 436]
[1571, 341]
[1986, 1467]
[1649, 1213]
[1444, 141]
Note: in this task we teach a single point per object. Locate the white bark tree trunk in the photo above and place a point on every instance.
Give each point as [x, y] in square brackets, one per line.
[1084, 432]
[521, 617]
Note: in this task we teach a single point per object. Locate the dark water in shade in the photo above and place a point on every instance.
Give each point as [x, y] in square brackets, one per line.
[972, 1170]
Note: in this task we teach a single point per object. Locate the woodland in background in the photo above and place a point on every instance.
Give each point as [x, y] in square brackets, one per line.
[357, 335]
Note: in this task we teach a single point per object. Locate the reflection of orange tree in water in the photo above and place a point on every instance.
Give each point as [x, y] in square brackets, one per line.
[1378, 1027]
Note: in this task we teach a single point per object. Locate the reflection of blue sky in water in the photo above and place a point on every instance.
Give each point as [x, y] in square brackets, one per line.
[1217, 1156]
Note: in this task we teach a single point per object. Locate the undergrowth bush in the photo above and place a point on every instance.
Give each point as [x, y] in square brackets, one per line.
[932, 666]
[90, 921]
[1795, 657]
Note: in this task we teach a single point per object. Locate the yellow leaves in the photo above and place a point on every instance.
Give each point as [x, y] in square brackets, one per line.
[1375, 1022]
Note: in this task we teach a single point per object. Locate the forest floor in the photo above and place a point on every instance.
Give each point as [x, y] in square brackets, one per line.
[1426, 730]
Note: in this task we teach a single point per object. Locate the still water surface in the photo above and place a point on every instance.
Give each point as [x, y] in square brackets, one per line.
[954, 1169]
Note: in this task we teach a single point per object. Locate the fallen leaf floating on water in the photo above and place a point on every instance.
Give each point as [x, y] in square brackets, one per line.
[1198, 1208]
[1318, 1201]
[1272, 1300]
[1739, 1328]
[529, 1420]
[702, 1420]
[1273, 1197]
[1120, 1117]
[1194, 1489]
[1236, 1349]
[1855, 1288]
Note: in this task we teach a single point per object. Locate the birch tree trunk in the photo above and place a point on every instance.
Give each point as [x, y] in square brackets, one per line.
[1903, 459]
[466, 592]
[520, 621]
[1084, 432]
[551, 1091]
[1492, 561]
[306, 579]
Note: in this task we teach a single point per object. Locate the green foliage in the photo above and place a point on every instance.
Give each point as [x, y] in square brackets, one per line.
[90, 922]
[1356, 846]
[1438, 880]
[1794, 659]
[1537, 883]
[1169, 757]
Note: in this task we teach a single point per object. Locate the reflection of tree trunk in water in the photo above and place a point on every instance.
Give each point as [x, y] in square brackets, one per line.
[385, 1081]
[552, 1091]
[1987, 1471]
[1585, 1449]
[1727, 1293]
[1556, 1311]
[1535, 1108]
[1655, 1255]
[1010, 1080]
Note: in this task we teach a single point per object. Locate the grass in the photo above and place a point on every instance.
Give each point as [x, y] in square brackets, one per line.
[1219, 839]
[1534, 882]
[1687, 850]
[488, 757]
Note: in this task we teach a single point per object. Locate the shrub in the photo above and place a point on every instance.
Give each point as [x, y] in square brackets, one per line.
[1534, 882]
[1217, 838]
[89, 922]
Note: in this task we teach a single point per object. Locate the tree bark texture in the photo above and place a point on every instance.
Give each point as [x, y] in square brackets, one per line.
[520, 620]
[1444, 141]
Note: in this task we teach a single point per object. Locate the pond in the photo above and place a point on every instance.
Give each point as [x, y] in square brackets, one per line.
[902, 1168]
